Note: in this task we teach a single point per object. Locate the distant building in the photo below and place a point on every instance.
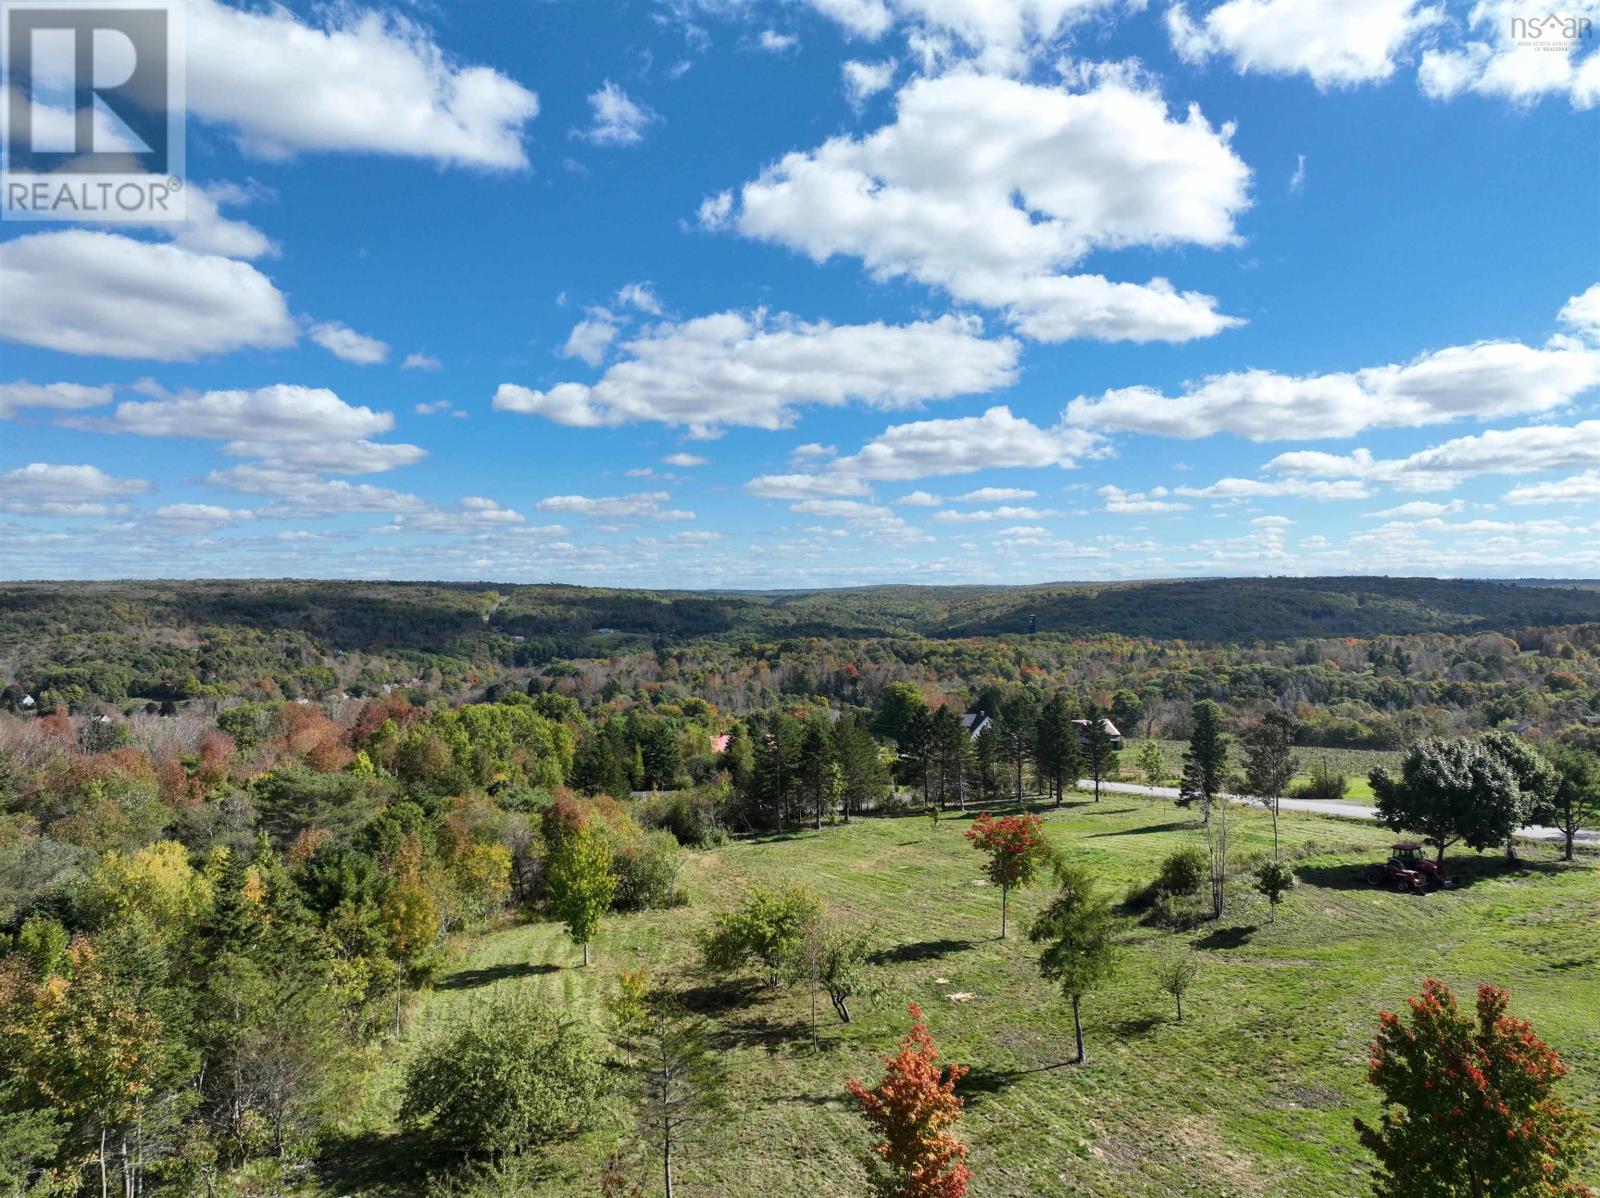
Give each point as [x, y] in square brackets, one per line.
[1111, 730]
[975, 723]
[27, 701]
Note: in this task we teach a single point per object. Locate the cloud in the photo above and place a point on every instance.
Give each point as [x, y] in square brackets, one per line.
[1332, 42]
[300, 494]
[44, 489]
[1297, 181]
[1420, 507]
[870, 519]
[329, 457]
[776, 43]
[1526, 450]
[198, 517]
[685, 461]
[805, 486]
[615, 120]
[1297, 488]
[359, 81]
[279, 413]
[591, 337]
[642, 505]
[1499, 55]
[99, 293]
[918, 499]
[639, 296]
[1000, 35]
[1138, 503]
[348, 345]
[751, 370]
[990, 189]
[995, 495]
[863, 80]
[420, 361]
[473, 514]
[988, 515]
[1580, 488]
[1488, 380]
[997, 440]
[1582, 313]
[61, 397]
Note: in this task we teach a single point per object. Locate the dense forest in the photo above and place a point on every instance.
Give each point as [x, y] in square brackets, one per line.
[1380, 660]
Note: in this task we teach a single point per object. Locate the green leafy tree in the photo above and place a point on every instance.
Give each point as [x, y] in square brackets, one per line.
[768, 928]
[1077, 930]
[514, 1076]
[1537, 780]
[1470, 1108]
[1151, 763]
[1450, 790]
[1270, 763]
[863, 780]
[899, 705]
[1176, 972]
[1017, 851]
[582, 884]
[1577, 799]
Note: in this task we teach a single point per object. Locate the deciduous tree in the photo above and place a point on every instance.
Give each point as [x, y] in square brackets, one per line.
[582, 885]
[1470, 1108]
[1450, 790]
[913, 1113]
[1017, 852]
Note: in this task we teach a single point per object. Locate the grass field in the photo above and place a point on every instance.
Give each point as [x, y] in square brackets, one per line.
[1354, 764]
[1252, 1095]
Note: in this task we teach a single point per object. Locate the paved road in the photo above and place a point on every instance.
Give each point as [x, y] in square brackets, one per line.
[1324, 807]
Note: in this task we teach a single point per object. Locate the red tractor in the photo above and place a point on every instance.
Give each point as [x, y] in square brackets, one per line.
[1408, 870]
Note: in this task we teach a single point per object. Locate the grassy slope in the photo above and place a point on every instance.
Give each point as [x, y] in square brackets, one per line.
[1253, 1094]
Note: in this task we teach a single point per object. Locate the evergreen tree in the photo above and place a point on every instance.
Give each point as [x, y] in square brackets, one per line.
[1099, 750]
[1208, 751]
[1077, 930]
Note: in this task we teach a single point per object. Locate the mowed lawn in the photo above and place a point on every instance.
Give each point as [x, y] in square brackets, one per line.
[1252, 1094]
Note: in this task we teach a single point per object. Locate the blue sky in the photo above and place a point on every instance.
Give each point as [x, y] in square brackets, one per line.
[828, 292]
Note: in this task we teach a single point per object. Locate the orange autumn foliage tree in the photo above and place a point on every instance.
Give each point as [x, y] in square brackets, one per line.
[1470, 1108]
[913, 1111]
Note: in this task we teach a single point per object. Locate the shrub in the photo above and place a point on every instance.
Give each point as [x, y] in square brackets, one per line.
[514, 1077]
[647, 872]
[690, 815]
[1324, 785]
[1184, 871]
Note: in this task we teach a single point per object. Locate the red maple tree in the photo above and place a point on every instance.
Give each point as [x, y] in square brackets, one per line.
[1469, 1104]
[1017, 852]
[912, 1110]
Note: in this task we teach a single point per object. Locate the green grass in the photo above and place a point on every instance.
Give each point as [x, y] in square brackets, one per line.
[1252, 1095]
[1354, 764]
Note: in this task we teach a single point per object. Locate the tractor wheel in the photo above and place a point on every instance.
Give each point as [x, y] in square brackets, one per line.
[1401, 886]
[1376, 875]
